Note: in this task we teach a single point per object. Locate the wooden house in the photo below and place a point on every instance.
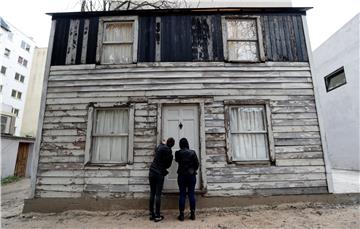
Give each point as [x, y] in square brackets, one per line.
[235, 81]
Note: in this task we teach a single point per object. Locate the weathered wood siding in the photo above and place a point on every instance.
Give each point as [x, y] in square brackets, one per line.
[284, 38]
[178, 38]
[299, 166]
[75, 41]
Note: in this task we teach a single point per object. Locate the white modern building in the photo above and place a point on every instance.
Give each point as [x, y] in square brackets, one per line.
[336, 72]
[16, 52]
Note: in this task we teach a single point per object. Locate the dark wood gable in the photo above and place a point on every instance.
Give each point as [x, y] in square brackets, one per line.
[185, 38]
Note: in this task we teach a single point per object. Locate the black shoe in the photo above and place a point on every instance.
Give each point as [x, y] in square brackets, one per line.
[152, 218]
[158, 218]
[192, 215]
[181, 216]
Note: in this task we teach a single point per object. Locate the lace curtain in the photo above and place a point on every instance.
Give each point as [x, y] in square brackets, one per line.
[248, 133]
[110, 137]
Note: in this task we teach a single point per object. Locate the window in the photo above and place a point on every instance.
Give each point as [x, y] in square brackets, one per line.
[16, 94]
[22, 61]
[1, 87]
[7, 52]
[119, 41]
[249, 135]
[17, 76]
[3, 70]
[109, 138]
[10, 36]
[22, 79]
[335, 79]
[7, 124]
[25, 46]
[15, 111]
[242, 39]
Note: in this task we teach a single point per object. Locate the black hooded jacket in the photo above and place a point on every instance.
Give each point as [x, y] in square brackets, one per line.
[188, 162]
[162, 160]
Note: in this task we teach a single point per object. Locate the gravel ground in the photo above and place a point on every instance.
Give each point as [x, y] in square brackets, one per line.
[300, 215]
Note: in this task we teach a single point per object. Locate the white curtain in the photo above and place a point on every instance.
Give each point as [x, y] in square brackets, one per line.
[108, 147]
[250, 144]
[120, 33]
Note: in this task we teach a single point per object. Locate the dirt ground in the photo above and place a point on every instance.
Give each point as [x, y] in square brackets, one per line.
[300, 215]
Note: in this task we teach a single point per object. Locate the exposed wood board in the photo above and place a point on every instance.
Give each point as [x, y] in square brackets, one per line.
[72, 42]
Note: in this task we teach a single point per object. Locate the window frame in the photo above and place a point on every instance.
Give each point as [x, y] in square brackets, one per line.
[90, 129]
[1, 70]
[260, 45]
[332, 75]
[7, 52]
[102, 22]
[270, 138]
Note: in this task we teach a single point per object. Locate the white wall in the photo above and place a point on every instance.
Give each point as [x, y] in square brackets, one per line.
[11, 63]
[340, 107]
[33, 97]
[9, 150]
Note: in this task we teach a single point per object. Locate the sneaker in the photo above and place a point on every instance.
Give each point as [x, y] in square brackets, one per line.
[158, 218]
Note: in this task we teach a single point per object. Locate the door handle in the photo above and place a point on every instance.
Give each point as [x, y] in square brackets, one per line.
[180, 125]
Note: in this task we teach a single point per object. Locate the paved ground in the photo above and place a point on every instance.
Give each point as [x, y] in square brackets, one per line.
[346, 181]
[303, 215]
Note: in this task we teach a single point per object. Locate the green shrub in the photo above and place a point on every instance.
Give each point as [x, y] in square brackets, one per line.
[9, 179]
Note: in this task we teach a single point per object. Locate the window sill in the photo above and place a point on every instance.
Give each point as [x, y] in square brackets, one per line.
[251, 163]
[98, 166]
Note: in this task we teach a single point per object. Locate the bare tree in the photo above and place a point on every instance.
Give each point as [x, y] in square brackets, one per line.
[106, 5]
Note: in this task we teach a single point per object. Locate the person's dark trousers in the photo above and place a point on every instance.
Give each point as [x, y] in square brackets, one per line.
[156, 185]
[186, 185]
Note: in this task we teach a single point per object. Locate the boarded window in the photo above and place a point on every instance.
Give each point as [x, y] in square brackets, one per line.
[118, 43]
[110, 136]
[248, 133]
[242, 39]
[335, 79]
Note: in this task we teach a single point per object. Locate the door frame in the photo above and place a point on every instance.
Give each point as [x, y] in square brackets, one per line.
[202, 147]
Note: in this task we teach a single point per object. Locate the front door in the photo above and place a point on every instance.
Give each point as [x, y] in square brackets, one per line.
[180, 122]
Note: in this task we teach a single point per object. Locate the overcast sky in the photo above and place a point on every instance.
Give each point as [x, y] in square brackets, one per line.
[29, 16]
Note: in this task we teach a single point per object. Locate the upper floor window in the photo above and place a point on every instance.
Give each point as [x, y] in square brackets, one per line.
[335, 79]
[25, 46]
[15, 111]
[118, 40]
[242, 39]
[3, 70]
[19, 77]
[16, 94]
[10, 36]
[22, 61]
[7, 52]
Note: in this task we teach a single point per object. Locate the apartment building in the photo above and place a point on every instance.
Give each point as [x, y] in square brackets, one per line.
[16, 52]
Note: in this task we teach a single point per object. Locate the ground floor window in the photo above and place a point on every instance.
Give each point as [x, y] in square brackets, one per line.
[248, 133]
[109, 136]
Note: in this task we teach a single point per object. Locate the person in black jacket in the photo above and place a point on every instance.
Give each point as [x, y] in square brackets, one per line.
[158, 170]
[188, 165]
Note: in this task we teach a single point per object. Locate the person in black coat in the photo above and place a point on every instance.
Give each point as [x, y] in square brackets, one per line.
[158, 170]
[188, 165]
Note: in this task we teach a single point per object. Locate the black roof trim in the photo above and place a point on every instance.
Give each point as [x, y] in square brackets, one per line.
[183, 11]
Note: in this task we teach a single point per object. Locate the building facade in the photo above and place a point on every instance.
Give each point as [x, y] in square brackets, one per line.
[235, 82]
[336, 70]
[16, 52]
[33, 97]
